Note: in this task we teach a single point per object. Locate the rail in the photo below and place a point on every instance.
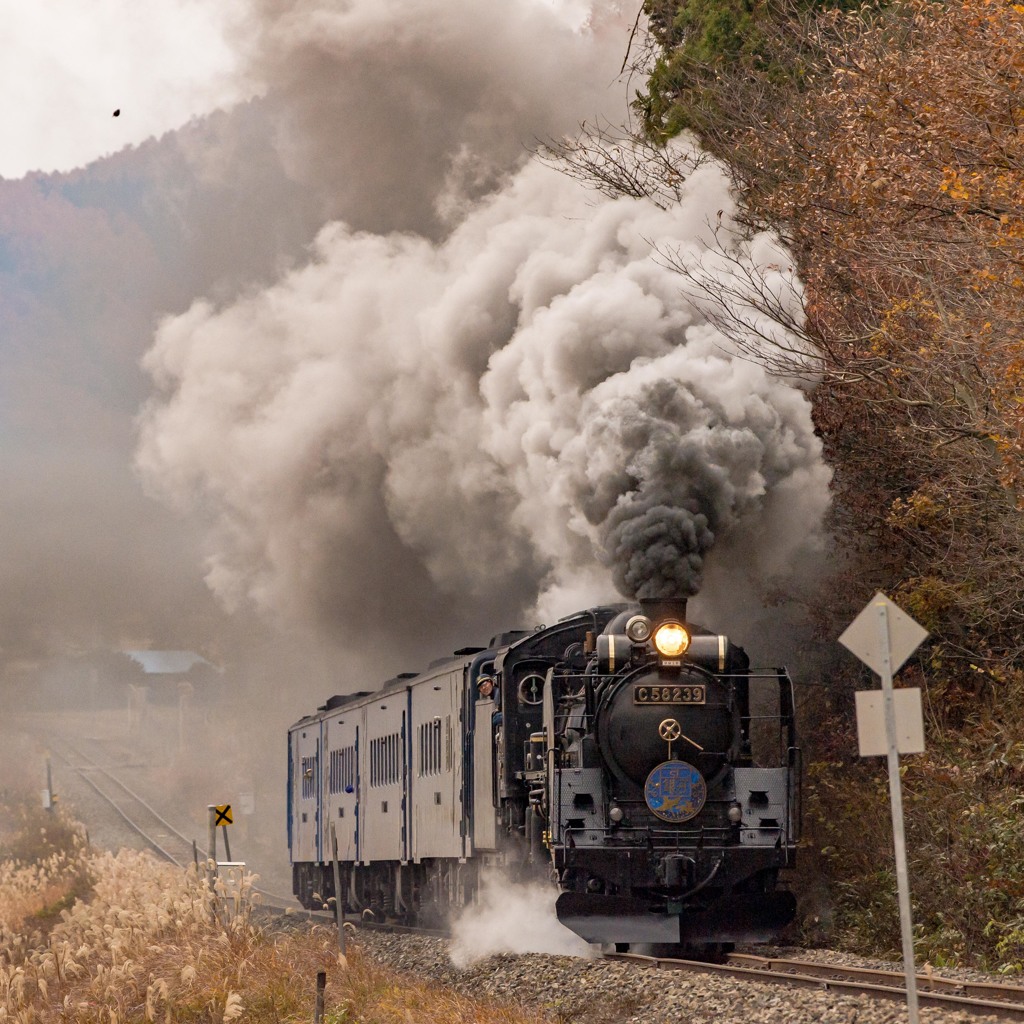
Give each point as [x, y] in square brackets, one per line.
[138, 814]
[1006, 1001]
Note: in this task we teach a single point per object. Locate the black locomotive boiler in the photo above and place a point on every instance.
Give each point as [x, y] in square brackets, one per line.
[632, 758]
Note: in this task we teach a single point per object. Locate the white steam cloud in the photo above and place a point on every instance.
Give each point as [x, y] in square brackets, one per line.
[505, 412]
[484, 393]
[511, 917]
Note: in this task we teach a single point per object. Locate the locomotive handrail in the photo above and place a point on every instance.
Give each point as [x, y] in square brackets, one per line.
[796, 781]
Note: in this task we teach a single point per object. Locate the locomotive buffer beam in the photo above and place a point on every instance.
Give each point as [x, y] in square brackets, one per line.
[746, 917]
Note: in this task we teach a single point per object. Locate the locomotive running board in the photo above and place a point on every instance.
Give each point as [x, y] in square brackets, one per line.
[743, 918]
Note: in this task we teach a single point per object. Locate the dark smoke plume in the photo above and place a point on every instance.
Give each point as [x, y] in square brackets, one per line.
[704, 453]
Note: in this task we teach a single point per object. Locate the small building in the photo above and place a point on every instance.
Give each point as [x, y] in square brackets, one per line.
[164, 671]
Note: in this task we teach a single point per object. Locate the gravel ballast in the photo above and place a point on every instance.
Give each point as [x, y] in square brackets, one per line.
[569, 989]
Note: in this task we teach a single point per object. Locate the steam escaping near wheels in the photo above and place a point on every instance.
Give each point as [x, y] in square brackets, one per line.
[512, 917]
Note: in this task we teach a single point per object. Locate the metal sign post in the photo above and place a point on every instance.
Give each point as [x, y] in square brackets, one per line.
[883, 637]
[211, 843]
[48, 798]
[896, 800]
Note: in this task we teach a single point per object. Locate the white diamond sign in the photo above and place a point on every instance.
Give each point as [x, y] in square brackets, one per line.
[862, 636]
[883, 637]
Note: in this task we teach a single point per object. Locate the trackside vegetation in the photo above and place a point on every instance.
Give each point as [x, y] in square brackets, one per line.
[101, 938]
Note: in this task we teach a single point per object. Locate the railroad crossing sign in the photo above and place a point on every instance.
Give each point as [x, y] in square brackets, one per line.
[218, 815]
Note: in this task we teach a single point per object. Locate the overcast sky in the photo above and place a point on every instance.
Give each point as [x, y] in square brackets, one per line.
[68, 65]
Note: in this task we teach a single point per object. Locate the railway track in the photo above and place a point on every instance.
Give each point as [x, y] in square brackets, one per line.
[163, 838]
[950, 994]
[159, 834]
[975, 997]
[137, 813]
[998, 1000]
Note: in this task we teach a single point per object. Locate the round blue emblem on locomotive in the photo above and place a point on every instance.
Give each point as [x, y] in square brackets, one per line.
[675, 791]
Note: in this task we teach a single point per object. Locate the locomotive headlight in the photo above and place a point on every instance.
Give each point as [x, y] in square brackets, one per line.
[671, 639]
[735, 812]
[638, 629]
[615, 813]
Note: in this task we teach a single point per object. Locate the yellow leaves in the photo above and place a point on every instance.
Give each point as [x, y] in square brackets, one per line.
[908, 325]
[928, 599]
[953, 184]
[919, 511]
[994, 674]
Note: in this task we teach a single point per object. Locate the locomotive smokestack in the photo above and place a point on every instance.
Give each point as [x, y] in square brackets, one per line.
[657, 609]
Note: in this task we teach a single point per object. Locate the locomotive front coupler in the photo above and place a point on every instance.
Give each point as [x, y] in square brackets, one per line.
[678, 871]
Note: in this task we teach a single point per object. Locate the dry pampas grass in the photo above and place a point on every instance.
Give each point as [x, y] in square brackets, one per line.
[149, 942]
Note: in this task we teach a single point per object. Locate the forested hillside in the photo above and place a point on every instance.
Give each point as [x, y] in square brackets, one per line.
[884, 144]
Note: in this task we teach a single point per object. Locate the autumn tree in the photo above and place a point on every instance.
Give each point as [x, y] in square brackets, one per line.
[893, 172]
[703, 51]
[897, 176]
[898, 180]
[889, 157]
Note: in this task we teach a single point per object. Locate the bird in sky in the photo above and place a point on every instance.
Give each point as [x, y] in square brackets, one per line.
[117, 113]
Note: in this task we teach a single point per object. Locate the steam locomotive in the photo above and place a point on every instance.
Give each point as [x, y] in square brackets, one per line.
[631, 757]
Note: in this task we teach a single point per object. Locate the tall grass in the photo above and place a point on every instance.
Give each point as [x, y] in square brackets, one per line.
[151, 943]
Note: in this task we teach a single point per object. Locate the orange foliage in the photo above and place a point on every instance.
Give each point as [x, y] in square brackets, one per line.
[898, 176]
[910, 167]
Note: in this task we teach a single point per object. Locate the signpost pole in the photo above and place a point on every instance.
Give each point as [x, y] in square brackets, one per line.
[49, 786]
[211, 844]
[896, 800]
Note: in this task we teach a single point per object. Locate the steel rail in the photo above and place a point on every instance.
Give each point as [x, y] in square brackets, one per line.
[85, 773]
[1006, 1001]
[926, 982]
[94, 766]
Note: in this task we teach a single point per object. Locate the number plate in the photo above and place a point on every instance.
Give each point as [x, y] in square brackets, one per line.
[691, 693]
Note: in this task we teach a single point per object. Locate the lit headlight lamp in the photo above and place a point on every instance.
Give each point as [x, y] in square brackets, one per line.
[671, 640]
